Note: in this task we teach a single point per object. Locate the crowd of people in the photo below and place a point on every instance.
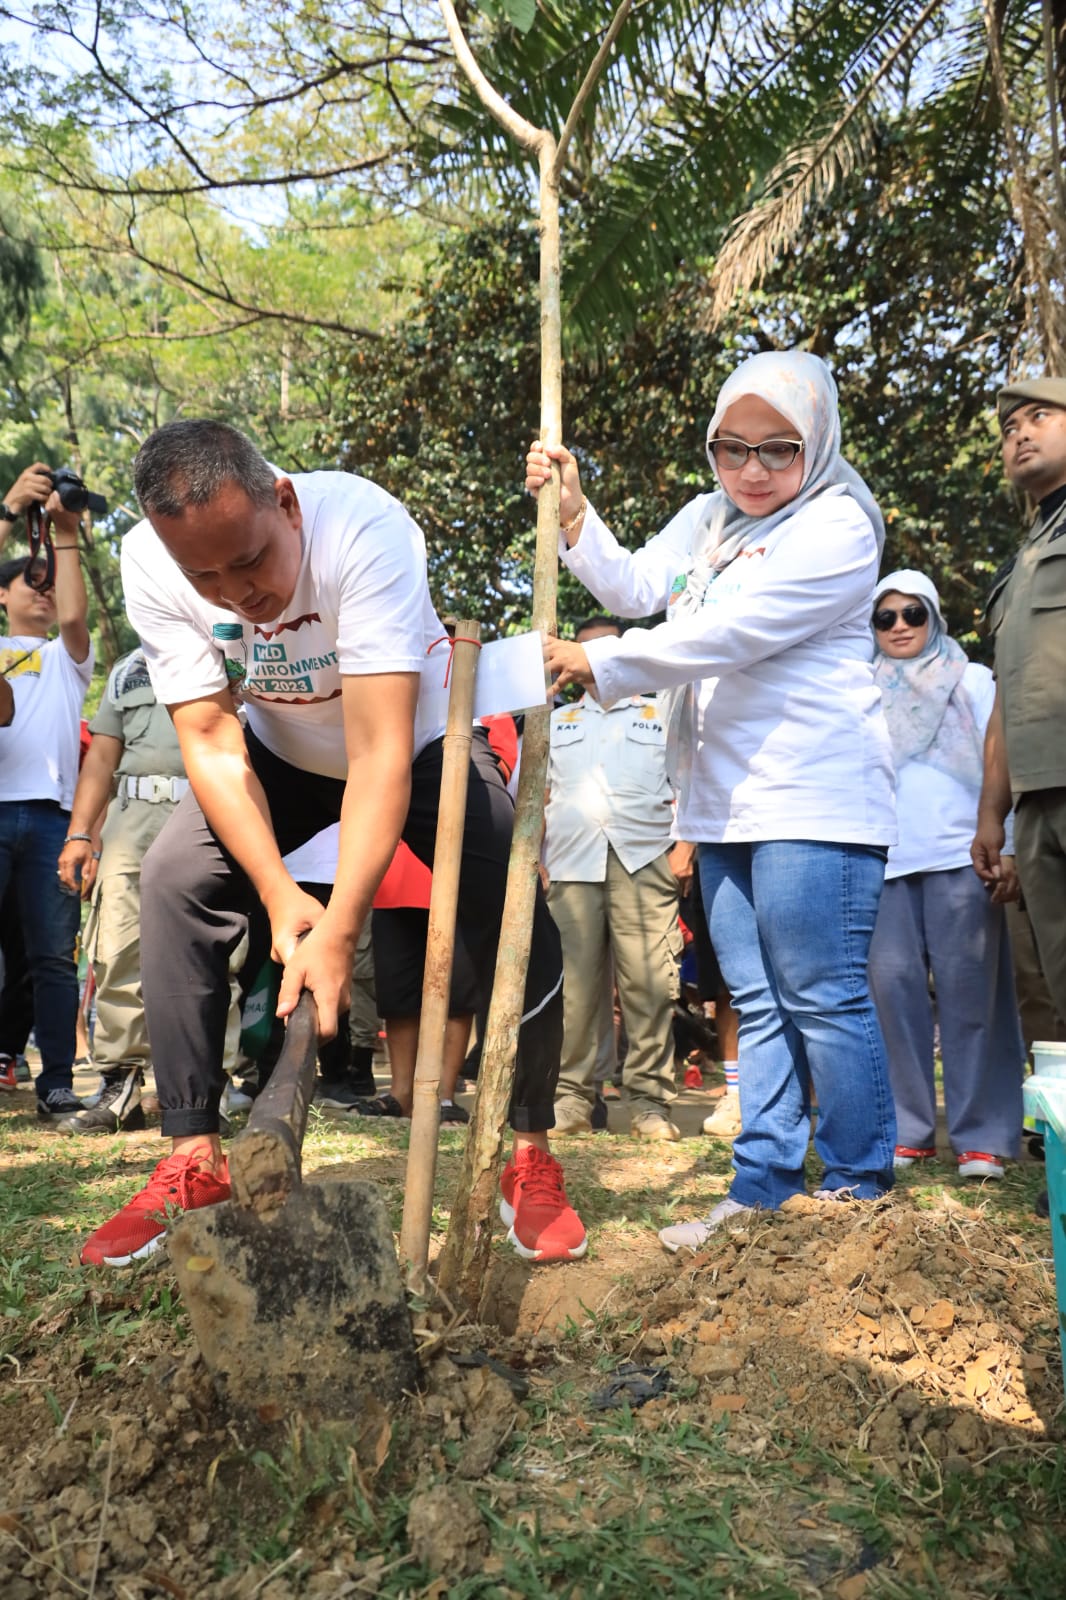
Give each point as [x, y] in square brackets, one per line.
[864, 831]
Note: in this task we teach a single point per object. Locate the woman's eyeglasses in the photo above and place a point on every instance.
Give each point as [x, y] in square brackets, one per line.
[913, 616]
[774, 454]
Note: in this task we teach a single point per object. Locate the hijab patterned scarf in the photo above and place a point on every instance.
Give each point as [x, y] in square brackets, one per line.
[800, 387]
[929, 714]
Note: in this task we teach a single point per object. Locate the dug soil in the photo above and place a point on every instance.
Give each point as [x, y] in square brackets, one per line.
[899, 1344]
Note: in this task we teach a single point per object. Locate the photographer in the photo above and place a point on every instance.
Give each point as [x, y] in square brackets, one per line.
[48, 679]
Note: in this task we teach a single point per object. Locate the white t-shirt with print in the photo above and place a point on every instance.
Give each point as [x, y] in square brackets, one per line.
[39, 748]
[361, 606]
[791, 741]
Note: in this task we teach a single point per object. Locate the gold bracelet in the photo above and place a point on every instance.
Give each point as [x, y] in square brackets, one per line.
[568, 527]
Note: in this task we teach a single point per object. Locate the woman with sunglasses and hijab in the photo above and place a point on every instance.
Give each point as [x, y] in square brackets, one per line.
[781, 755]
[936, 916]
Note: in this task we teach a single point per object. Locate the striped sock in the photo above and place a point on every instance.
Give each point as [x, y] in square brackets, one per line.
[732, 1076]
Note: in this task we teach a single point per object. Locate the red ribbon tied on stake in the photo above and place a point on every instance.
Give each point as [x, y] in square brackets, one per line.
[450, 641]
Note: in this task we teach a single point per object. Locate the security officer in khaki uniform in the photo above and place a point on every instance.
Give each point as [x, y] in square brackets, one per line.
[134, 743]
[614, 898]
[1025, 746]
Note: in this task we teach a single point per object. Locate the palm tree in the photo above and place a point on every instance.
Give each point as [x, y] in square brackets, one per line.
[716, 129]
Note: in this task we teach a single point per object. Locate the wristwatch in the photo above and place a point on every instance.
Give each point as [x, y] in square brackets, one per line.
[6, 513]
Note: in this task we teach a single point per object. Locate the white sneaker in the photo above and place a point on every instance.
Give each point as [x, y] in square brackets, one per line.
[692, 1235]
[979, 1164]
[572, 1116]
[725, 1123]
[654, 1125]
[234, 1100]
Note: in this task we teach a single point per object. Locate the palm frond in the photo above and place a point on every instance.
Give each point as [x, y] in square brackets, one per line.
[806, 174]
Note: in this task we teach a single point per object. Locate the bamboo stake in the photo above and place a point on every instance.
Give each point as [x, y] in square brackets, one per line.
[440, 948]
[464, 1261]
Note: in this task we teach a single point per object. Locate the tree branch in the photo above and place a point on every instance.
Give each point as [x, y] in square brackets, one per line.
[581, 98]
[529, 137]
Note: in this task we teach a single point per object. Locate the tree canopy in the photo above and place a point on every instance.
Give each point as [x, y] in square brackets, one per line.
[916, 310]
[299, 218]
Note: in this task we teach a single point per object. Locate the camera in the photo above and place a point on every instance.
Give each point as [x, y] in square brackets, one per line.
[73, 493]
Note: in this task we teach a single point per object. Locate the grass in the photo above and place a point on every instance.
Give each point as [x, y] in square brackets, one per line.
[632, 1509]
[579, 1504]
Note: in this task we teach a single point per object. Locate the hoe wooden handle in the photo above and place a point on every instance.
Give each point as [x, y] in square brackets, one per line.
[264, 1160]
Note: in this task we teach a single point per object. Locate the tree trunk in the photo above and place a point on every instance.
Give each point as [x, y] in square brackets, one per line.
[466, 1251]
[440, 949]
[464, 1261]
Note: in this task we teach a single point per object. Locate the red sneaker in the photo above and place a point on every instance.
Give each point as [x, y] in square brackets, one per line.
[178, 1184]
[7, 1073]
[543, 1225]
[906, 1155]
[979, 1164]
[693, 1074]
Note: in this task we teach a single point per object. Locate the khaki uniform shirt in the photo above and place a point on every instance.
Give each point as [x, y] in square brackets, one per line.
[1027, 616]
[129, 711]
[607, 786]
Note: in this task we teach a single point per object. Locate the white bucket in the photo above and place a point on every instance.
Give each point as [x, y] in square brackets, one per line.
[1049, 1059]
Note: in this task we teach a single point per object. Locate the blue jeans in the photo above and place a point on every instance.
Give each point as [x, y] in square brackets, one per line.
[791, 923]
[31, 837]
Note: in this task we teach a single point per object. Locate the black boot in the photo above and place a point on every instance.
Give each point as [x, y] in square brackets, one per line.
[118, 1108]
[361, 1072]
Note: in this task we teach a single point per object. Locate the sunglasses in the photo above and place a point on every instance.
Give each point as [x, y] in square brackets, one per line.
[776, 455]
[913, 616]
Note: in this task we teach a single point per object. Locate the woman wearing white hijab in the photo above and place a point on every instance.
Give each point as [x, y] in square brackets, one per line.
[781, 756]
[936, 916]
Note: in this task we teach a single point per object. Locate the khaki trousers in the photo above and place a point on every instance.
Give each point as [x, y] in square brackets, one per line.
[1040, 852]
[630, 919]
[113, 933]
[1039, 1017]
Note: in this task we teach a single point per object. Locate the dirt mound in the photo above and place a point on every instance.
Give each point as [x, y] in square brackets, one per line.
[887, 1328]
[822, 1343]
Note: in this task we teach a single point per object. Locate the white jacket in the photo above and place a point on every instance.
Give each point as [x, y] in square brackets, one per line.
[791, 742]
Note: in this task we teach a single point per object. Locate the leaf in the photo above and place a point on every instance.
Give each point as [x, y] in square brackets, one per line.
[852, 1588]
[940, 1316]
[520, 13]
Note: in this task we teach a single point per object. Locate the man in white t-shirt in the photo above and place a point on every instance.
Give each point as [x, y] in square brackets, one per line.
[38, 768]
[311, 593]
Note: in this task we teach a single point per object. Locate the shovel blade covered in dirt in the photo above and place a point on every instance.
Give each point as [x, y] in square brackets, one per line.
[294, 1291]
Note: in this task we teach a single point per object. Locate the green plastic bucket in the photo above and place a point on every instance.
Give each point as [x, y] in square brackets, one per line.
[1045, 1102]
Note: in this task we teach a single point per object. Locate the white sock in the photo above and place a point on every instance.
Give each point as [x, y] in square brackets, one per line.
[732, 1076]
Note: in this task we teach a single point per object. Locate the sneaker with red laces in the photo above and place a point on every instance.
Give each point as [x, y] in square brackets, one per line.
[179, 1183]
[979, 1164]
[8, 1079]
[543, 1224]
[906, 1155]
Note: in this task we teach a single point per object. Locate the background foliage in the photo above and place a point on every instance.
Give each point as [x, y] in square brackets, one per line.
[297, 218]
[915, 309]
